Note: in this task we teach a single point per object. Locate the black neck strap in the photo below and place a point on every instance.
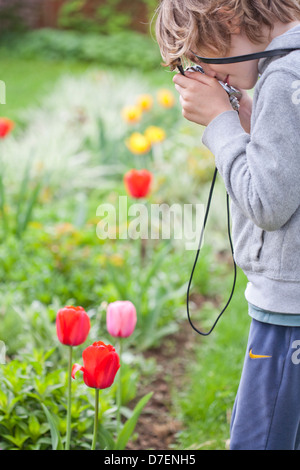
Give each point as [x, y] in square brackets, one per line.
[244, 58]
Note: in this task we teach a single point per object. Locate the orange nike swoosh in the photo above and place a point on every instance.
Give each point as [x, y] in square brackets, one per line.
[256, 356]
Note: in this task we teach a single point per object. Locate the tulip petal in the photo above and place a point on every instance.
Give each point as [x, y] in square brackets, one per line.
[76, 368]
[138, 182]
[106, 371]
[101, 363]
[80, 328]
[128, 319]
[94, 354]
[113, 320]
[72, 325]
[121, 318]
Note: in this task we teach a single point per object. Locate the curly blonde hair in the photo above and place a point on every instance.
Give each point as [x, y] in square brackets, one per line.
[204, 25]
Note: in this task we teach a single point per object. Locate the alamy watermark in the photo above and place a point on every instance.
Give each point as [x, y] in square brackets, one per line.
[183, 222]
[296, 93]
[2, 92]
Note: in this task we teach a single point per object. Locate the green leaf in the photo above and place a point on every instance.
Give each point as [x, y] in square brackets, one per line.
[34, 427]
[18, 440]
[22, 224]
[156, 261]
[105, 438]
[119, 284]
[130, 424]
[55, 434]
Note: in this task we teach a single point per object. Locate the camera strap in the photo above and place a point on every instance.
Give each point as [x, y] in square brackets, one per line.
[198, 252]
[246, 57]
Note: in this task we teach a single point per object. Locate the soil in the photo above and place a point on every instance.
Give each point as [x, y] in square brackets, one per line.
[157, 427]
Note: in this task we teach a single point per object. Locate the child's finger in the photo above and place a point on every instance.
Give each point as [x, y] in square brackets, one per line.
[201, 77]
[180, 80]
[179, 89]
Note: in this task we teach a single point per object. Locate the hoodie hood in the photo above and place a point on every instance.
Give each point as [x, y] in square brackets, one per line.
[290, 39]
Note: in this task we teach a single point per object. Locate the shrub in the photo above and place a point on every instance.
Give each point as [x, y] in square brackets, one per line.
[128, 49]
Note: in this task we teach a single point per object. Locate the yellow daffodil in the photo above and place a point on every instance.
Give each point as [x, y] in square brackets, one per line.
[165, 98]
[116, 259]
[155, 134]
[138, 143]
[34, 224]
[132, 114]
[46, 194]
[145, 102]
[64, 227]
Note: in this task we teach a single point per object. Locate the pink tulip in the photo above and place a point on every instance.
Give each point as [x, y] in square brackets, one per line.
[121, 318]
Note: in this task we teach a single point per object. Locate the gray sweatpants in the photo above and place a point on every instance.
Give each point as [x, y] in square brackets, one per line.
[266, 413]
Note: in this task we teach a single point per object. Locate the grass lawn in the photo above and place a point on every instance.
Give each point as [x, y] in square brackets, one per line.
[28, 81]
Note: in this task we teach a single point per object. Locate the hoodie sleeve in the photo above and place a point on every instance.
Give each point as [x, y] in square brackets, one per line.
[261, 171]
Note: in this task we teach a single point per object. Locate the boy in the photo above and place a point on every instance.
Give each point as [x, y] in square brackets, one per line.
[257, 153]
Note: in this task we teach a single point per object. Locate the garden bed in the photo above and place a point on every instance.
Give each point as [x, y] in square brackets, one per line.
[158, 425]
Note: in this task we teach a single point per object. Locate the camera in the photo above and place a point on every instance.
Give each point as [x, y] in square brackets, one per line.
[234, 95]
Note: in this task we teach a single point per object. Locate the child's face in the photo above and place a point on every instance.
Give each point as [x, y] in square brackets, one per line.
[242, 75]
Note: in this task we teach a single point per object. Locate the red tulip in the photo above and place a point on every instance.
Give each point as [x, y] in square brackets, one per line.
[6, 125]
[138, 182]
[121, 318]
[72, 325]
[100, 365]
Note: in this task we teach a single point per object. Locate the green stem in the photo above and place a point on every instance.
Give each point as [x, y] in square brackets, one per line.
[96, 419]
[141, 253]
[119, 390]
[68, 438]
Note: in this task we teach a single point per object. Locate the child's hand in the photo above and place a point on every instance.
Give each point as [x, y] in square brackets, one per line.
[202, 97]
[245, 111]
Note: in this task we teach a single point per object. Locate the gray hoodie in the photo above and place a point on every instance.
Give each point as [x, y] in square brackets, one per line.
[261, 173]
